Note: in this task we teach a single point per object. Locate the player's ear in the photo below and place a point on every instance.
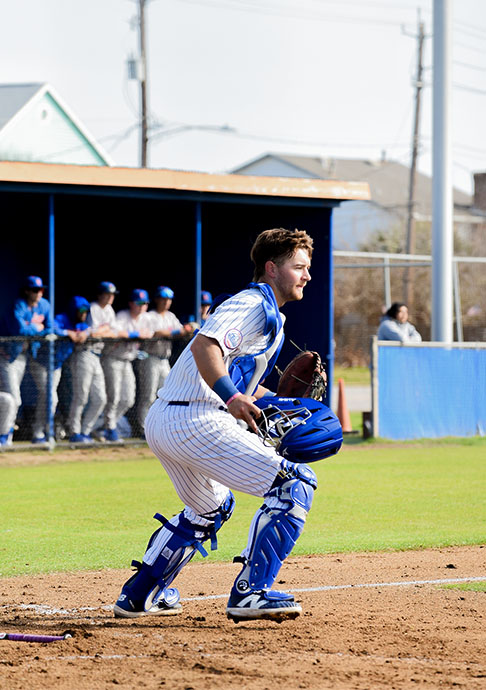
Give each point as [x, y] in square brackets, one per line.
[270, 268]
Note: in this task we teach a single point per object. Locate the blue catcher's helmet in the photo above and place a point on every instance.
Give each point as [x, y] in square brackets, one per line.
[300, 429]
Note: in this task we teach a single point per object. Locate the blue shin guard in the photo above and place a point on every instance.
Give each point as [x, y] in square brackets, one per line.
[276, 527]
[169, 549]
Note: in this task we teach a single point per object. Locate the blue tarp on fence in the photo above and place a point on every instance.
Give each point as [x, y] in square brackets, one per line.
[430, 392]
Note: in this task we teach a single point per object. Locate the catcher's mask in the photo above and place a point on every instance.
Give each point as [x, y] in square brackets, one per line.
[300, 429]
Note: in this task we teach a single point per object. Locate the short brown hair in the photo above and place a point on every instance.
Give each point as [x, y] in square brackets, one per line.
[277, 245]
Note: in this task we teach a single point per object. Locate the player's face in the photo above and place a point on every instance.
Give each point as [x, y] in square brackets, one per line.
[163, 304]
[106, 298]
[34, 296]
[291, 277]
[137, 308]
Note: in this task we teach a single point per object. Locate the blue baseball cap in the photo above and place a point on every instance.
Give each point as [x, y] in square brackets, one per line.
[139, 296]
[106, 286]
[79, 303]
[206, 297]
[164, 291]
[34, 282]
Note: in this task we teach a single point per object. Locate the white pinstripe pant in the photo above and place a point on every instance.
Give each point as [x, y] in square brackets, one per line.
[205, 451]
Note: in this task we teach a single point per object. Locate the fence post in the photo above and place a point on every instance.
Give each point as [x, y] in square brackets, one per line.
[51, 337]
[374, 385]
[457, 302]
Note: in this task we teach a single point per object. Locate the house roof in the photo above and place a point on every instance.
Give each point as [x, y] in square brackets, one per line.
[64, 176]
[388, 180]
[14, 98]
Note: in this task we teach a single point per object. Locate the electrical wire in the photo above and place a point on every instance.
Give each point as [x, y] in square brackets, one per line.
[291, 12]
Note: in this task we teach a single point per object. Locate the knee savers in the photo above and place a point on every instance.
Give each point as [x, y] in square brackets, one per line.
[173, 545]
[276, 526]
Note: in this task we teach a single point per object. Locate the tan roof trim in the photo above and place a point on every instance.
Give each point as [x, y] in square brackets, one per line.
[142, 178]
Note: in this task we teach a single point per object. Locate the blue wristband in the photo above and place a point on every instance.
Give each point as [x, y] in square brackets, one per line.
[225, 388]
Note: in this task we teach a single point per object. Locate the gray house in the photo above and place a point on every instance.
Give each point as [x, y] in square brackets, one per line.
[36, 125]
[354, 221]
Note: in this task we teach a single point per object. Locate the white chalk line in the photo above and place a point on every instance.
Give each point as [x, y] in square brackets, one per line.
[49, 610]
[327, 588]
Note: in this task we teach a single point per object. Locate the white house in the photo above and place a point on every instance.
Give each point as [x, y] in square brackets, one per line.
[36, 125]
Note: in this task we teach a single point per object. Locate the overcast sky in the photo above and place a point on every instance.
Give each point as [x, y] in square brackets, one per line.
[294, 76]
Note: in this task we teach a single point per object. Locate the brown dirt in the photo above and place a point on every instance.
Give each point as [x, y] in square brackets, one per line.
[381, 636]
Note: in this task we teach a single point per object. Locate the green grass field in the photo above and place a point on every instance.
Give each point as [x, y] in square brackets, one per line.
[371, 496]
[353, 376]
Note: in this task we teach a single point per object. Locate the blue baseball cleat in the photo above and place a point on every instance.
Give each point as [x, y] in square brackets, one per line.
[158, 602]
[112, 435]
[262, 604]
[80, 438]
[166, 605]
[39, 439]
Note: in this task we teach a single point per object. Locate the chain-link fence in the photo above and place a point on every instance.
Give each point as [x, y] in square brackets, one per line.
[366, 283]
[55, 391]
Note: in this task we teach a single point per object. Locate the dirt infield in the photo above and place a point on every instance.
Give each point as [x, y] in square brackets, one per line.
[369, 621]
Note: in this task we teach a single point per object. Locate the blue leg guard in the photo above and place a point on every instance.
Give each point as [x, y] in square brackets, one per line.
[276, 527]
[169, 549]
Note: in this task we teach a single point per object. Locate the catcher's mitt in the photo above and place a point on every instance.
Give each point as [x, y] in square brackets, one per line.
[304, 377]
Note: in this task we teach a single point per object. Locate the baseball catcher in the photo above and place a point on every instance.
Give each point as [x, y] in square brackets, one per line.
[304, 377]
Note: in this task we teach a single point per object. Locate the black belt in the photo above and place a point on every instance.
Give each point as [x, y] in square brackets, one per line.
[186, 403]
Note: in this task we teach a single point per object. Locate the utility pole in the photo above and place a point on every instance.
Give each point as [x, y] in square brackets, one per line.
[143, 85]
[442, 227]
[410, 237]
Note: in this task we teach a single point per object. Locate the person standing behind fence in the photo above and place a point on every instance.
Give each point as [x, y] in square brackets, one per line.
[88, 380]
[73, 325]
[117, 361]
[396, 326]
[30, 316]
[206, 301]
[154, 369]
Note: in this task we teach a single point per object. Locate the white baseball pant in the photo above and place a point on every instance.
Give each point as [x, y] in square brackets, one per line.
[205, 451]
[39, 374]
[152, 372]
[11, 375]
[89, 394]
[120, 389]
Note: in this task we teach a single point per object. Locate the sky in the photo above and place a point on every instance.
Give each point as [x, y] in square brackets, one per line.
[230, 80]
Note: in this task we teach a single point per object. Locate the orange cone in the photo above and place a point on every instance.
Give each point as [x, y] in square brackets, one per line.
[342, 409]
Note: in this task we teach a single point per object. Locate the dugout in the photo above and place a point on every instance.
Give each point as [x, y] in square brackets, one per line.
[140, 228]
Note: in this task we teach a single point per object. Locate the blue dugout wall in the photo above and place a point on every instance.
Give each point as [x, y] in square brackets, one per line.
[428, 390]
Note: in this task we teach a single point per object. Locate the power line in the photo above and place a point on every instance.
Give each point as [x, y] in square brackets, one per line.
[291, 12]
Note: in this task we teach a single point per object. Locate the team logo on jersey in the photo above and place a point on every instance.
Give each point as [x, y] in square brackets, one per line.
[233, 338]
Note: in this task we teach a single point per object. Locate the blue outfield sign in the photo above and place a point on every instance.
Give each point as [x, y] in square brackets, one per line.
[431, 392]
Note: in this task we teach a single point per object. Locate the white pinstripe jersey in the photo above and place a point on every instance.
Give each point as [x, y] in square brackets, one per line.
[238, 325]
